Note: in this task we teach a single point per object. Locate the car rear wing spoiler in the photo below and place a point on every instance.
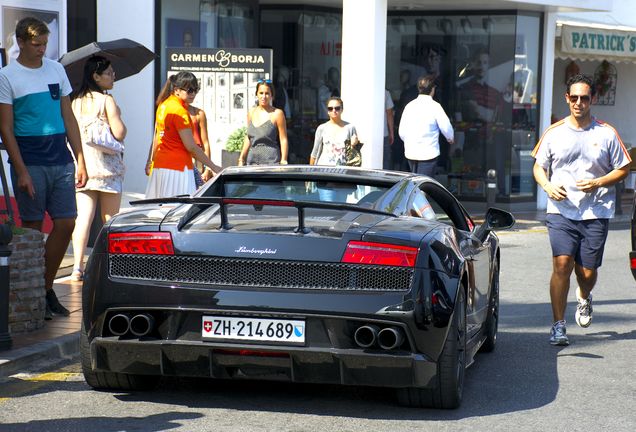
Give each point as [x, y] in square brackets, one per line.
[223, 202]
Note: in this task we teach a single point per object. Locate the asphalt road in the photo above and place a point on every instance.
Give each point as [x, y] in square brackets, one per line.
[525, 385]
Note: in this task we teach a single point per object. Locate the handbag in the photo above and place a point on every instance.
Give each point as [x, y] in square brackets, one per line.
[353, 157]
[99, 135]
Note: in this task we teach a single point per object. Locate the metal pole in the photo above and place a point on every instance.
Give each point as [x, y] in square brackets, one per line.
[5, 252]
[491, 187]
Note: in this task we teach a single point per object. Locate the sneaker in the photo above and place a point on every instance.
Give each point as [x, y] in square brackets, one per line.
[53, 304]
[583, 315]
[77, 275]
[557, 334]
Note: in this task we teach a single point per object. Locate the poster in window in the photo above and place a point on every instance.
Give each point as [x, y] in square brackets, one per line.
[12, 15]
[209, 95]
[184, 33]
[222, 98]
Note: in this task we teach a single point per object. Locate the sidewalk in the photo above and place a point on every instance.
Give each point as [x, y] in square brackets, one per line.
[58, 340]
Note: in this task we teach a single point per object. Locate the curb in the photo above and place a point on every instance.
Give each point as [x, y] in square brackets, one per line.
[28, 358]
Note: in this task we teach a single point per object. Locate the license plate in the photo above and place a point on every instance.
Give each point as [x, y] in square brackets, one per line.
[253, 329]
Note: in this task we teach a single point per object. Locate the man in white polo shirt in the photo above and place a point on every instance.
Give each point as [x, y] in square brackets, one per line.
[578, 160]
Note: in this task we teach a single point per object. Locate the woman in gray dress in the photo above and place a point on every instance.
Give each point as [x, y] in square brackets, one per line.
[266, 140]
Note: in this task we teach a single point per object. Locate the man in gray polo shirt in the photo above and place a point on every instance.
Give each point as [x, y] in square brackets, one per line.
[578, 159]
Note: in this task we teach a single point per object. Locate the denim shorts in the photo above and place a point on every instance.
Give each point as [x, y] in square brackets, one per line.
[54, 193]
[584, 240]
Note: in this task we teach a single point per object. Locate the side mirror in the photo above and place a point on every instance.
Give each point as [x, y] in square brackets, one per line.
[495, 219]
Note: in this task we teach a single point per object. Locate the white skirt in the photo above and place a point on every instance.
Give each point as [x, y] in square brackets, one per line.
[164, 183]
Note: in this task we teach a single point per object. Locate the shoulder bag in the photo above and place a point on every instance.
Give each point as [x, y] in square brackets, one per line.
[353, 157]
[99, 135]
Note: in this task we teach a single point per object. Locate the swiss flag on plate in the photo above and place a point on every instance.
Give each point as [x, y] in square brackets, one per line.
[207, 326]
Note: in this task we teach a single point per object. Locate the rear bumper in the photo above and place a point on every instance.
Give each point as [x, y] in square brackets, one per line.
[293, 364]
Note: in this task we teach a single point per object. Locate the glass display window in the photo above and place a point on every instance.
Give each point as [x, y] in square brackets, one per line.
[485, 68]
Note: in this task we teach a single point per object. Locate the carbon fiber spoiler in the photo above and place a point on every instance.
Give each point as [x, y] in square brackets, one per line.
[223, 203]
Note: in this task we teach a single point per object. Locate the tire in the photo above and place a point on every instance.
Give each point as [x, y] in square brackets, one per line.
[451, 367]
[110, 380]
[492, 321]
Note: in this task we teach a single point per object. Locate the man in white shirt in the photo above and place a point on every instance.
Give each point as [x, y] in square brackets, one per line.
[578, 160]
[422, 121]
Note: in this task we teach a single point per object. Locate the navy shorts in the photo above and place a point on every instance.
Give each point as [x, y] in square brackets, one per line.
[584, 240]
[54, 193]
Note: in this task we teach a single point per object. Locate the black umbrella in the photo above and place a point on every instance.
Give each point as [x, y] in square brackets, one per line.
[126, 56]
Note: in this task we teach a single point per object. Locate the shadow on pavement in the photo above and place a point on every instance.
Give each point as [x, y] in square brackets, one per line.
[155, 422]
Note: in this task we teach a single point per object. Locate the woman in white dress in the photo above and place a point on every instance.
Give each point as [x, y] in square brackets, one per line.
[105, 171]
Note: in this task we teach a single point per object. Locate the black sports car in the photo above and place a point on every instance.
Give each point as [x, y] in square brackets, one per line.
[300, 273]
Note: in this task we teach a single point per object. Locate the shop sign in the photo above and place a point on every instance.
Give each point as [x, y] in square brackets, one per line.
[220, 60]
[598, 41]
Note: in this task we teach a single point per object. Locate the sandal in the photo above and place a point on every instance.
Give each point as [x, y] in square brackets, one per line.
[77, 275]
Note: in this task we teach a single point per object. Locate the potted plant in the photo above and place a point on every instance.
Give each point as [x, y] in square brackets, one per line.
[233, 147]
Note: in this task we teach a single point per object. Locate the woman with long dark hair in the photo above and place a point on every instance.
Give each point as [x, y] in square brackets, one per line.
[266, 139]
[105, 170]
[170, 159]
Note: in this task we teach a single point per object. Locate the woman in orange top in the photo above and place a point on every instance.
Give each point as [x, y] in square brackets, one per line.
[170, 160]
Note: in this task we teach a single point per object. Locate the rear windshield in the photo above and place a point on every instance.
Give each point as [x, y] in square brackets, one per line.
[301, 190]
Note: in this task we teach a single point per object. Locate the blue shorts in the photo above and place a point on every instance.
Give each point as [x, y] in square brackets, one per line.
[54, 193]
[584, 240]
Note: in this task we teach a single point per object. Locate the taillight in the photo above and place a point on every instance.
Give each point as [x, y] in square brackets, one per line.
[358, 252]
[149, 243]
[633, 263]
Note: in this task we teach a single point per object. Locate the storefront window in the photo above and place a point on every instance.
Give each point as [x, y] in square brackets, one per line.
[486, 82]
[307, 51]
[207, 24]
[525, 109]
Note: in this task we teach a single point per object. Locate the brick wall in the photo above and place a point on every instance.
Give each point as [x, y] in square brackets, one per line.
[26, 270]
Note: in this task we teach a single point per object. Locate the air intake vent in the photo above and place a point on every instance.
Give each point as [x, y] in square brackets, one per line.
[261, 273]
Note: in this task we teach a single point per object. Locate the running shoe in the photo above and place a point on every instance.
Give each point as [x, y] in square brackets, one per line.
[558, 334]
[583, 313]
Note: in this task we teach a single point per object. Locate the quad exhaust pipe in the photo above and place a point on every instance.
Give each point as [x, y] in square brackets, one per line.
[119, 324]
[139, 325]
[390, 338]
[370, 335]
[366, 335]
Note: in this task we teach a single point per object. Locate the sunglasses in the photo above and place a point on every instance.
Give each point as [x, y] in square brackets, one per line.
[264, 81]
[576, 98]
[334, 108]
[191, 91]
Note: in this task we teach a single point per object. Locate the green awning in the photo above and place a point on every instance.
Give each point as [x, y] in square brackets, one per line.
[586, 41]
